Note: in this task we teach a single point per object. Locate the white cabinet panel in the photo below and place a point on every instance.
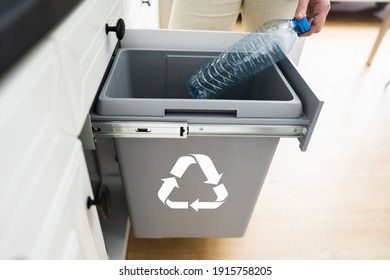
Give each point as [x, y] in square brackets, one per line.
[44, 100]
[49, 219]
[86, 49]
[76, 231]
[33, 103]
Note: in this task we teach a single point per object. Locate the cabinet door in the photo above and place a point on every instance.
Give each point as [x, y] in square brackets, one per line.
[34, 108]
[78, 232]
[48, 217]
[44, 181]
[85, 50]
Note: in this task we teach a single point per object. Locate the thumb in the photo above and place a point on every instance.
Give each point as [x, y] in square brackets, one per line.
[300, 12]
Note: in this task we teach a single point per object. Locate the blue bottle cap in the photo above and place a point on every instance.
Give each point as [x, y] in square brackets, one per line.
[301, 25]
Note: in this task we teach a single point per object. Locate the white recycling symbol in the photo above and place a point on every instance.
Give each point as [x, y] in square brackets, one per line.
[211, 173]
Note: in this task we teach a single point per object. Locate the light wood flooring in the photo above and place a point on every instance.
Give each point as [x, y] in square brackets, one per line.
[333, 201]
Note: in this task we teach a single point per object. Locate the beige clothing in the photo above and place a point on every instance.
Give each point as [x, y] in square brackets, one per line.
[223, 14]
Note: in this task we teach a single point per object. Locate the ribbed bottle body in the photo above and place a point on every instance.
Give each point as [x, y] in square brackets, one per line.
[257, 51]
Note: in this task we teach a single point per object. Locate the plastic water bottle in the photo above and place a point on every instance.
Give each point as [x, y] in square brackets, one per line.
[257, 51]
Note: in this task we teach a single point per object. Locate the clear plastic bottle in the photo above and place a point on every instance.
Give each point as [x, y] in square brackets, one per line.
[257, 51]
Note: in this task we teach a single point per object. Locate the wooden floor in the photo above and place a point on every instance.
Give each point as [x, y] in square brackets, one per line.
[333, 201]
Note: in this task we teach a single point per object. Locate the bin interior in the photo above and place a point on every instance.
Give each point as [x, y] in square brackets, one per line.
[144, 82]
[163, 74]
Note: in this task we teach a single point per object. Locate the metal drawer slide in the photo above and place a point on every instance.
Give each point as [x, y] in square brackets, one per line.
[123, 129]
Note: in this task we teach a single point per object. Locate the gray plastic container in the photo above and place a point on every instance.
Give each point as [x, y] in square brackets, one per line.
[222, 207]
[153, 83]
[195, 168]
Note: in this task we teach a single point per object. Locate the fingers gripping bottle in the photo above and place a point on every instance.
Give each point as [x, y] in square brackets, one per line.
[257, 51]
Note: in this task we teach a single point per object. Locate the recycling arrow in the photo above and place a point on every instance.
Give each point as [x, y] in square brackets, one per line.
[221, 193]
[205, 205]
[208, 169]
[178, 170]
[168, 186]
[181, 166]
[177, 204]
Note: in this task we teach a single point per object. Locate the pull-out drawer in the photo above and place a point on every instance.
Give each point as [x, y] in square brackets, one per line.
[141, 92]
[167, 144]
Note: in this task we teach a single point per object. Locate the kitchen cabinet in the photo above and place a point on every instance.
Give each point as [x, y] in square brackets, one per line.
[44, 100]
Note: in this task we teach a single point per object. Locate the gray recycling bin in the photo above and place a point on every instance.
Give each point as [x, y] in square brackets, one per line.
[195, 168]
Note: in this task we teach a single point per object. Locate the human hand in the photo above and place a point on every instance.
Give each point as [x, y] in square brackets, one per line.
[316, 12]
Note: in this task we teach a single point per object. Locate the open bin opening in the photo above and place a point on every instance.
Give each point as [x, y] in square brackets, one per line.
[155, 80]
[163, 74]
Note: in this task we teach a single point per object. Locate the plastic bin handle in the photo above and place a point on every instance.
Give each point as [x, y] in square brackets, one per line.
[201, 112]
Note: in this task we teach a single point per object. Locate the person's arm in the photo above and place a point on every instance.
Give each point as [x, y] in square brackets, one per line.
[316, 12]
